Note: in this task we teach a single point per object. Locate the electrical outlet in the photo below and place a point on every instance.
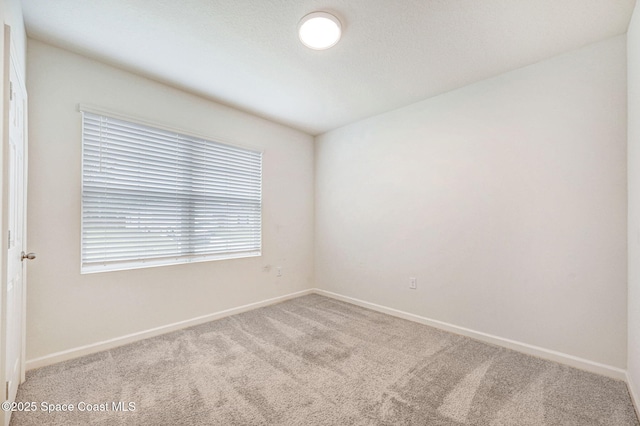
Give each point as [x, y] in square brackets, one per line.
[413, 283]
[279, 271]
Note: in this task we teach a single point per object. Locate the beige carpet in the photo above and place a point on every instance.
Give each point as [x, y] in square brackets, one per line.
[318, 361]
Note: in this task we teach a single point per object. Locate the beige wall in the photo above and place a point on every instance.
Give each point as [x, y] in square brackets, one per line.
[13, 10]
[506, 199]
[67, 310]
[633, 49]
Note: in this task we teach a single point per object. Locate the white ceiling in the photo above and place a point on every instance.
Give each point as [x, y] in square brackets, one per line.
[245, 53]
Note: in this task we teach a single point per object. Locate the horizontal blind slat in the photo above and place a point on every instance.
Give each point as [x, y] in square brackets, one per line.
[91, 118]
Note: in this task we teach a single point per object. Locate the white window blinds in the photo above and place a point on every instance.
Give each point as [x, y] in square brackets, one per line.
[151, 197]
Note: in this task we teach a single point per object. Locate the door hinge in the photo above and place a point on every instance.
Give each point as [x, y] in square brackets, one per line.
[7, 391]
[10, 90]
[9, 240]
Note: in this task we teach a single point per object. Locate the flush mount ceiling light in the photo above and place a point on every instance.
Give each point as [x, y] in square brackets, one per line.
[319, 30]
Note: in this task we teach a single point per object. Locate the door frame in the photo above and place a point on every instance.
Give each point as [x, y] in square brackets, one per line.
[5, 217]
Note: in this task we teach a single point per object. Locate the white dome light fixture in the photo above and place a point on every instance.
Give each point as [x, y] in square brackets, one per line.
[319, 30]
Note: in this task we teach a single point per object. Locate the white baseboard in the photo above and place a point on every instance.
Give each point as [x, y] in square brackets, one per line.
[635, 394]
[573, 361]
[583, 364]
[129, 338]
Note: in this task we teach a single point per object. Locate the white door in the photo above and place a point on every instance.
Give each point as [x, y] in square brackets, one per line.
[16, 258]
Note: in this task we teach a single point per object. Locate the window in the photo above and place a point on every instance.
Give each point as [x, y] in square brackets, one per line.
[156, 197]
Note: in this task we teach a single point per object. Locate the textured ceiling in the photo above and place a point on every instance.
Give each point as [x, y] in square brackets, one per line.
[245, 53]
